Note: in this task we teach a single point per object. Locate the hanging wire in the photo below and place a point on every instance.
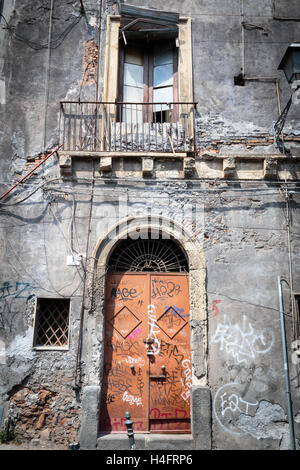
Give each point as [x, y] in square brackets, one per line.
[54, 43]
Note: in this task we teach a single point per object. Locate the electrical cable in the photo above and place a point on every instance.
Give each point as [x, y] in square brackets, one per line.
[29, 195]
[58, 291]
[201, 194]
[13, 266]
[54, 44]
[77, 373]
[245, 301]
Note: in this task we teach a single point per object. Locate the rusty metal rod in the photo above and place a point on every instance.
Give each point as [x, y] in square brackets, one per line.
[29, 173]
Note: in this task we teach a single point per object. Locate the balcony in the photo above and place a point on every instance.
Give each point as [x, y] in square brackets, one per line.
[106, 128]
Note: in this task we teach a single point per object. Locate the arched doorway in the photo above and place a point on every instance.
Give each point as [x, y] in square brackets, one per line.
[147, 360]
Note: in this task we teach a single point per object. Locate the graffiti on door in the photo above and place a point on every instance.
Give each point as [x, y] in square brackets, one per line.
[147, 366]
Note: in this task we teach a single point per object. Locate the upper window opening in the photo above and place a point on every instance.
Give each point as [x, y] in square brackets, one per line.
[141, 23]
[148, 255]
[148, 75]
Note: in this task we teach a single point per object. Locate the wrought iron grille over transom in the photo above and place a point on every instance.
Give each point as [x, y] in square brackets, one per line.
[148, 255]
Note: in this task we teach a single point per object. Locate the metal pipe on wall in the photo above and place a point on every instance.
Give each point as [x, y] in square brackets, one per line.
[286, 369]
[77, 375]
[47, 76]
[99, 49]
[288, 196]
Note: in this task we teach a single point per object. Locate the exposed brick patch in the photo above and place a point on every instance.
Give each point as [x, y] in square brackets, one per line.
[45, 414]
[90, 61]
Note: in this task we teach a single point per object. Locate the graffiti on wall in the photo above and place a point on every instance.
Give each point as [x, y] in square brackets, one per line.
[241, 341]
[243, 345]
[10, 295]
[229, 404]
[18, 290]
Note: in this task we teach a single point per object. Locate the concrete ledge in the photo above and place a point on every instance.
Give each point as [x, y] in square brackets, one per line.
[200, 439]
[170, 442]
[141, 154]
[119, 442]
[146, 441]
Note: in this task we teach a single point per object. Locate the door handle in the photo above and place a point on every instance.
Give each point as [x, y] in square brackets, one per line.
[163, 376]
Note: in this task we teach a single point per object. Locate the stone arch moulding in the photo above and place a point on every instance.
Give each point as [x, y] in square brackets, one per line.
[135, 227]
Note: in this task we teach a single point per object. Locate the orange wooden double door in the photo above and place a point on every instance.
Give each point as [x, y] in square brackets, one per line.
[147, 362]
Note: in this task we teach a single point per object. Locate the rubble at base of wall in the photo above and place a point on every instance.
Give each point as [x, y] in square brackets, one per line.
[43, 416]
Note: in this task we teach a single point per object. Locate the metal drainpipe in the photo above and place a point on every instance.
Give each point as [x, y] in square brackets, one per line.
[46, 97]
[286, 369]
[288, 228]
[99, 49]
[77, 378]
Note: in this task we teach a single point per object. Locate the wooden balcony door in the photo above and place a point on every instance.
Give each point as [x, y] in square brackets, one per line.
[148, 75]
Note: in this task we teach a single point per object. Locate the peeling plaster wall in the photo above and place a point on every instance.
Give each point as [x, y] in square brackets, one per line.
[242, 234]
[32, 84]
[244, 251]
[226, 110]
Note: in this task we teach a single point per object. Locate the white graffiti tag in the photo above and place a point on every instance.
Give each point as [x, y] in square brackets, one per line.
[132, 400]
[153, 330]
[240, 341]
[228, 405]
[188, 381]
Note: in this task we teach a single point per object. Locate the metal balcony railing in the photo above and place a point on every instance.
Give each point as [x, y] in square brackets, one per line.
[127, 127]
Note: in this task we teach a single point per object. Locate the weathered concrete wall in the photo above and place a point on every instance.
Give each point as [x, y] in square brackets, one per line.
[226, 111]
[31, 79]
[35, 78]
[246, 365]
[245, 251]
[242, 233]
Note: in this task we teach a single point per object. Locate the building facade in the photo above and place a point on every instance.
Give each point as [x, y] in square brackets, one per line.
[150, 223]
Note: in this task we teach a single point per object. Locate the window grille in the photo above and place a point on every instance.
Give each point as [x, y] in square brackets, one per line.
[52, 322]
[148, 255]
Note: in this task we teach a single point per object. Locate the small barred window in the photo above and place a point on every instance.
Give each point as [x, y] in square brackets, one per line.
[52, 323]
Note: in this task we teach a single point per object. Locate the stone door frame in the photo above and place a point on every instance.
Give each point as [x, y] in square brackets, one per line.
[93, 339]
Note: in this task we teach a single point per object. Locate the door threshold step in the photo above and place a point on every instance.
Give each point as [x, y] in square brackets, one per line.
[146, 442]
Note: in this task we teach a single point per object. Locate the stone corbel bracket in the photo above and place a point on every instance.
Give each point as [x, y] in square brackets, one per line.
[229, 167]
[270, 168]
[65, 164]
[147, 166]
[189, 166]
[105, 164]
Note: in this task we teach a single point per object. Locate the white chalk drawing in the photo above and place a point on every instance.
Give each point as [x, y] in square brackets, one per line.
[241, 341]
[132, 400]
[228, 405]
[154, 329]
[187, 381]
